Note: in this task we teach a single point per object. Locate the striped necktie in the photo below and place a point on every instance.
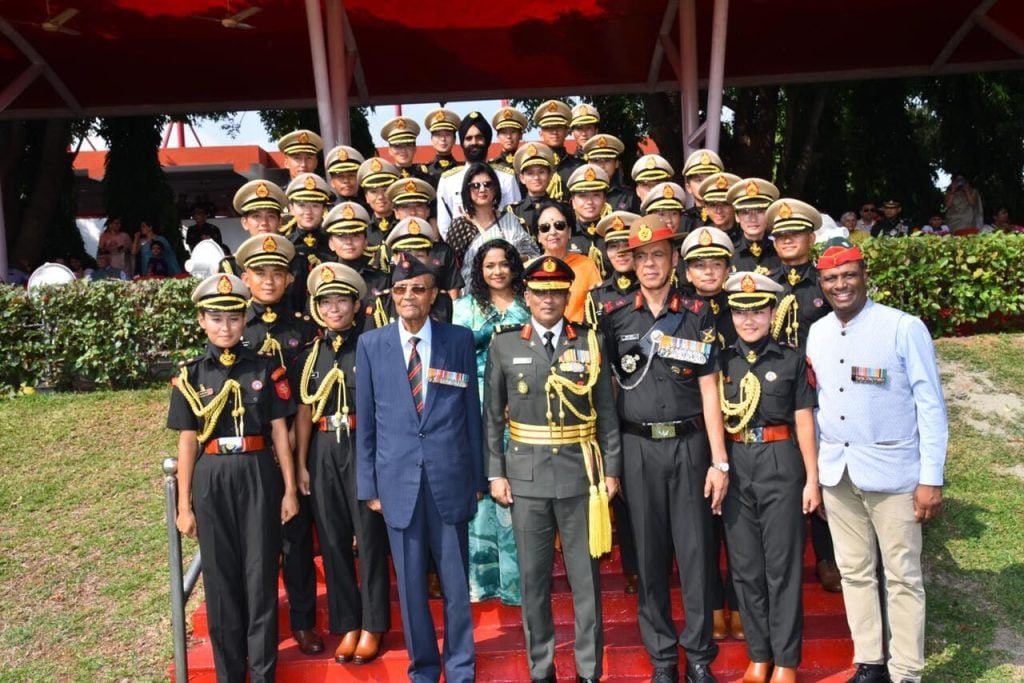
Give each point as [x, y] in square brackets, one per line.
[416, 376]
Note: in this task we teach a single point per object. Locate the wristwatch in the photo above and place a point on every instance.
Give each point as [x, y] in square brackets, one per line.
[721, 466]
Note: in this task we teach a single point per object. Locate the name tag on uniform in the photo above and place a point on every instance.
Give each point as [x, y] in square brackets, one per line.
[869, 375]
[688, 350]
[447, 377]
[521, 361]
[628, 337]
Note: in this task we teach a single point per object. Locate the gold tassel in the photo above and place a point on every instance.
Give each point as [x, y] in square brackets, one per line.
[594, 530]
[595, 255]
[555, 186]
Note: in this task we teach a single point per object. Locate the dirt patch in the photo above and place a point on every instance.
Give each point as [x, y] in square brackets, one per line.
[1008, 641]
[986, 408]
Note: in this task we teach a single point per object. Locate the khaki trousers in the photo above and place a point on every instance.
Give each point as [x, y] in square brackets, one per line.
[858, 519]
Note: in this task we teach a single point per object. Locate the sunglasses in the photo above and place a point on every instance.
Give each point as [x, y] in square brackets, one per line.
[548, 227]
[486, 185]
[418, 290]
[869, 210]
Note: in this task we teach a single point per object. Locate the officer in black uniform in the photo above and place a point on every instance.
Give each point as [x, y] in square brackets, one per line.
[308, 196]
[509, 125]
[412, 198]
[552, 117]
[533, 164]
[768, 397]
[259, 203]
[231, 407]
[300, 149]
[346, 226]
[891, 224]
[400, 134]
[374, 177]
[274, 329]
[750, 198]
[418, 238]
[342, 164]
[666, 200]
[586, 189]
[441, 124]
[324, 432]
[664, 350]
[648, 171]
[713, 190]
[697, 167]
[604, 150]
[583, 125]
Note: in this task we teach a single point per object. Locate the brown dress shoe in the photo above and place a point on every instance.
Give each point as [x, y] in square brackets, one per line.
[347, 647]
[718, 630]
[757, 672]
[736, 625]
[368, 648]
[630, 588]
[784, 674]
[828, 573]
[434, 586]
[310, 642]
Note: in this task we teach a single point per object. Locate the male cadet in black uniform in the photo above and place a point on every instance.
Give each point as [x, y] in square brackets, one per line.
[648, 171]
[509, 125]
[666, 201]
[308, 195]
[400, 134]
[750, 198]
[604, 150]
[259, 203]
[346, 226]
[713, 190]
[663, 349]
[325, 424]
[768, 397]
[441, 124]
[342, 164]
[274, 329]
[418, 238]
[300, 148]
[697, 167]
[229, 405]
[412, 198]
[552, 117]
[583, 126]
[586, 188]
[561, 464]
[374, 176]
[533, 164]
[891, 224]
[793, 223]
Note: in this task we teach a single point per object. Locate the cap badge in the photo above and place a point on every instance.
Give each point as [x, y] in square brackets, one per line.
[602, 142]
[751, 189]
[644, 233]
[747, 285]
[552, 107]
[785, 211]
[303, 137]
[224, 285]
[342, 155]
[650, 163]
[414, 228]
[704, 239]
[262, 191]
[410, 186]
[400, 124]
[327, 275]
[439, 116]
[376, 166]
[589, 174]
[668, 192]
[347, 213]
[474, 114]
[506, 114]
[722, 182]
[623, 282]
[531, 150]
[269, 244]
[549, 266]
[705, 158]
[310, 183]
[617, 223]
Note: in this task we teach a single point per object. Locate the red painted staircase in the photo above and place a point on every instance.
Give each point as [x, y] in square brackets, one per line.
[827, 649]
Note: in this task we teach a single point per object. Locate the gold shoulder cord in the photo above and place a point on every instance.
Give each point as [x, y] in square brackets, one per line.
[600, 527]
[335, 377]
[555, 186]
[744, 409]
[210, 413]
[380, 316]
[272, 346]
[785, 316]
[606, 209]
[590, 310]
[595, 255]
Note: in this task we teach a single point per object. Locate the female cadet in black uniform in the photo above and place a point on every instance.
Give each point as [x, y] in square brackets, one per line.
[768, 397]
[324, 429]
[230, 406]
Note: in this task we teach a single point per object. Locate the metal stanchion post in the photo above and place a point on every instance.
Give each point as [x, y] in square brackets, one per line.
[178, 595]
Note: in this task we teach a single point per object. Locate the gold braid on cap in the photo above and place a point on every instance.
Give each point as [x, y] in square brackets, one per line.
[335, 378]
[744, 409]
[786, 316]
[600, 527]
[211, 412]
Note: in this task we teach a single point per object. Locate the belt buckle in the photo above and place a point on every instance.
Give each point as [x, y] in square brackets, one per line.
[230, 444]
[337, 423]
[663, 430]
[753, 435]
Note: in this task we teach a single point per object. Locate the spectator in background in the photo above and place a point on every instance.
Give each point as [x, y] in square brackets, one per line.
[156, 265]
[1001, 221]
[104, 269]
[868, 216]
[554, 228]
[935, 226]
[963, 205]
[891, 225]
[142, 248]
[849, 221]
[18, 275]
[201, 230]
[116, 243]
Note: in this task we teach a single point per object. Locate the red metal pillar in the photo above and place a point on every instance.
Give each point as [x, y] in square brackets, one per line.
[321, 79]
[716, 73]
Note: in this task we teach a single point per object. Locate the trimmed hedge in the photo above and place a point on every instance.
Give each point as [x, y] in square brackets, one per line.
[130, 334]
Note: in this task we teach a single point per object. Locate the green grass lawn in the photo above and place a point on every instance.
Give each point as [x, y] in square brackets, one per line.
[83, 557]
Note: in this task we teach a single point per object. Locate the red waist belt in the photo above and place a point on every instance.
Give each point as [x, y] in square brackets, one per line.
[764, 434]
[334, 422]
[235, 444]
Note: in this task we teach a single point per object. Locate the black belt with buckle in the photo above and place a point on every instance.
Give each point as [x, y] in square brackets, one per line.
[663, 430]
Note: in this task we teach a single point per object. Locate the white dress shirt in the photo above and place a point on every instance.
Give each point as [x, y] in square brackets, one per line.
[422, 347]
[556, 330]
[449, 196]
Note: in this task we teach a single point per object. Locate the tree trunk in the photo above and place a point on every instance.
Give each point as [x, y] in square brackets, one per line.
[812, 128]
[45, 200]
[665, 127]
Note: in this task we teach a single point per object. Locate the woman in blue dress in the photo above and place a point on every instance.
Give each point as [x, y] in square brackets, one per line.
[494, 297]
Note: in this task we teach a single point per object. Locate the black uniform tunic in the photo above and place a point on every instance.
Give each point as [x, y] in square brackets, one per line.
[757, 256]
[802, 281]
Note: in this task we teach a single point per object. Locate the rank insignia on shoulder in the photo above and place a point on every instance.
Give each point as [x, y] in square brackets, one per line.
[508, 328]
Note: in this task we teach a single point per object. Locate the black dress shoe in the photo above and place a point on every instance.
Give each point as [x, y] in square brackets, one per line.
[665, 674]
[581, 679]
[870, 673]
[546, 679]
[699, 673]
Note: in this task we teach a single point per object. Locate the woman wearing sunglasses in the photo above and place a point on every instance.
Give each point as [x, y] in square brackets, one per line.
[554, 228]
[481, 197]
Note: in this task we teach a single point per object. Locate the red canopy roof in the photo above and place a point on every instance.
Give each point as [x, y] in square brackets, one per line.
[139, 56]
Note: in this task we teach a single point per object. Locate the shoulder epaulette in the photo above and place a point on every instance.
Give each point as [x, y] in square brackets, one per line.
[423, 167]
[570, 331]
[513, 327]
[190, 361]
[614, 304]
[451, 171]
[691, 304]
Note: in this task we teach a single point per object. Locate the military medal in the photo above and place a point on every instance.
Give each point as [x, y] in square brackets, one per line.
[793, 277]
[628, 363]
[522, 387]
[227, 358]
[770, 376]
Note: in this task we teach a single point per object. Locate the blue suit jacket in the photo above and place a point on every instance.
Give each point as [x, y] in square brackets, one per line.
[395, 446]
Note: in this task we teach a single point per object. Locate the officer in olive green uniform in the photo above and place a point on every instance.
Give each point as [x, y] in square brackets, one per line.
[605, 150]
[325, 424]
[374, 177]
[697, 167]
[750, 198]
[552, 380]
[308, 196]
[552, 117]
[260, 204]
[768, 398]
[441, 124]
[232, 490]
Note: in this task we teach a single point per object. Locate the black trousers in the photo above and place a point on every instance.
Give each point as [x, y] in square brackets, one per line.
[624, 532]
[821, 539]
[297, 567]
[665, 484]
[723, 592]
[765, 526]
[237, 503]
[352, 603]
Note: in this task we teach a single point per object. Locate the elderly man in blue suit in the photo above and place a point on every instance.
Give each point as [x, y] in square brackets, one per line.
[420, 463]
